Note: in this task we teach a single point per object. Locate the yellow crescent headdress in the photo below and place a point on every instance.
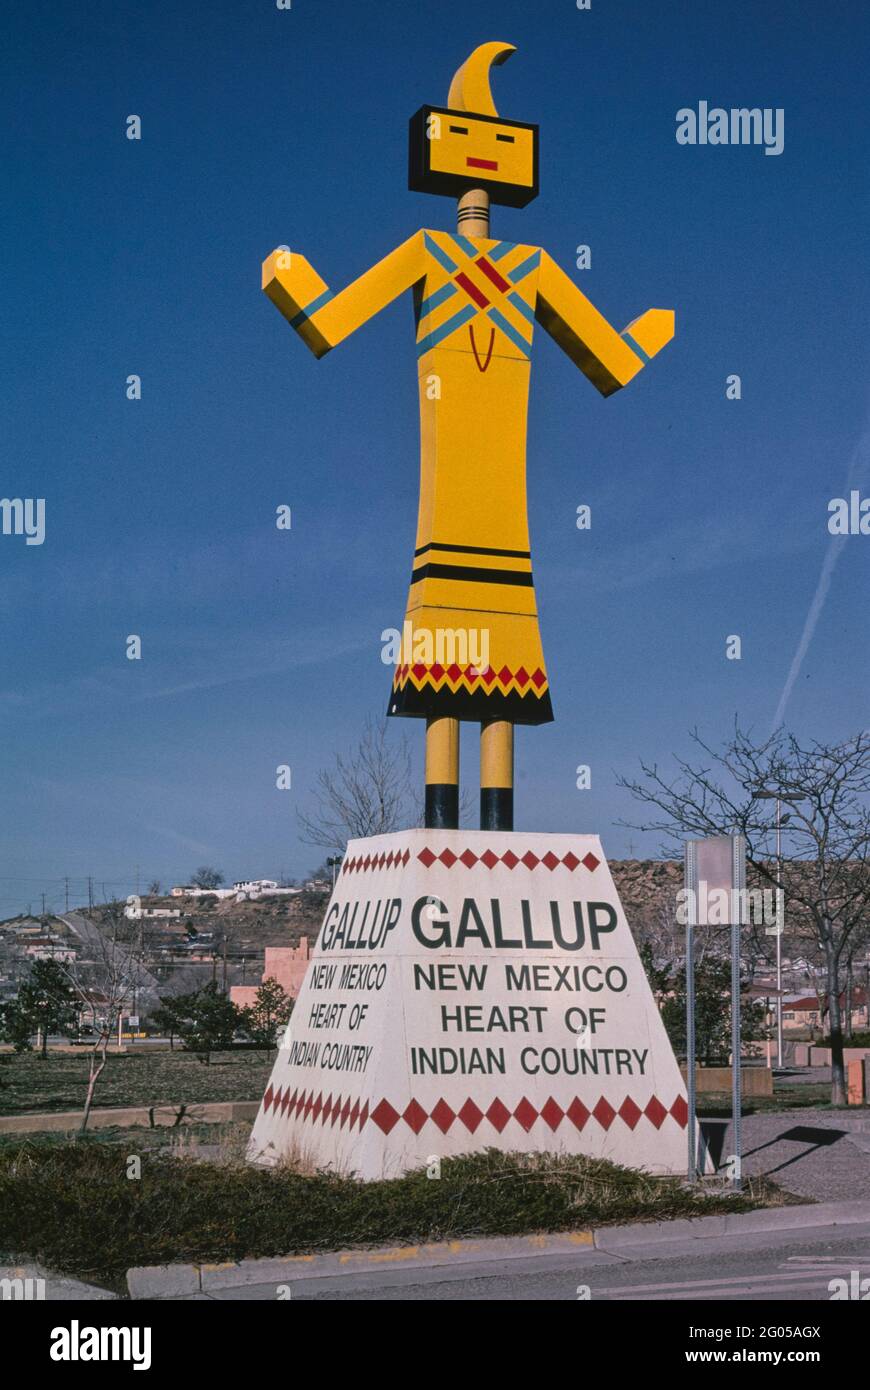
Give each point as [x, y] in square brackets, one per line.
[470, 89]
[483, 150]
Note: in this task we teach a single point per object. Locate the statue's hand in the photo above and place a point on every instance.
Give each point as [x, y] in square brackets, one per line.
[294, 287]
[652, 330]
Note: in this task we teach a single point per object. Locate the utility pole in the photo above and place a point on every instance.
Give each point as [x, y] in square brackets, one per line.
[66, 895]
[43, 904]
[765, 794]
[90, 893]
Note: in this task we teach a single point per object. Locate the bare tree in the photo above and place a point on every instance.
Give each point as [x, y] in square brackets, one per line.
[826, 878]
[105, 977]
[365, 792]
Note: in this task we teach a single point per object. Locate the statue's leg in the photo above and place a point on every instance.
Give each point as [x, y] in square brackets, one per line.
[497, 775]
[442, 774]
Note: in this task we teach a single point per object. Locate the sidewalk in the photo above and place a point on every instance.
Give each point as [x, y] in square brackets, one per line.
[68, 1121]
[820, 1154]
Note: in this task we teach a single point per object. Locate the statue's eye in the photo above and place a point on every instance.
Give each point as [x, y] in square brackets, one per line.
[459, 129]
[508, 139]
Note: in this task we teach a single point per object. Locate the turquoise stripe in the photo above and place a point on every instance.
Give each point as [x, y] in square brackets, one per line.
[432, 339]
[523, 307]
[635, 347]
[516, 338]
[441, 256]
[310, 309]
[465, 245]
[501, 250]
[439, 297]
[520, 271]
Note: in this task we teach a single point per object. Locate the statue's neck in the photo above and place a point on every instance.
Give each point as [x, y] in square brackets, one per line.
[472, 213]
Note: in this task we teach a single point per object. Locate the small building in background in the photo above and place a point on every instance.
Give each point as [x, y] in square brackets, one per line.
[286, 964]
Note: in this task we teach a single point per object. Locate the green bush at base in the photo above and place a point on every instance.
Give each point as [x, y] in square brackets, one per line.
[73, 1208]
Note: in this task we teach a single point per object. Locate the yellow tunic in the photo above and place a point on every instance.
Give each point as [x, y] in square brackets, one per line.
[471, 644]
[472, 597]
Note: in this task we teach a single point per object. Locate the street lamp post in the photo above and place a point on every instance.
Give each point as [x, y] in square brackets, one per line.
[779, 798]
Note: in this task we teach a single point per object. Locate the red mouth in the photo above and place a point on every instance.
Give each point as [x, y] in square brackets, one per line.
[481, 163]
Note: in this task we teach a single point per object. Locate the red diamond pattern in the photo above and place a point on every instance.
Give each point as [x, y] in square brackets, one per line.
[427, 857]
[414, 1116]
[384, 1116]
[526, 1114]
[604, 1113]
[680, 1112]
[629, 1112]
[577, 1113]
[316, 1109]
[442, 1115]
[655, 1112]
[552, 1114]
[498, 1115]
[471, 1115]
[434, 675]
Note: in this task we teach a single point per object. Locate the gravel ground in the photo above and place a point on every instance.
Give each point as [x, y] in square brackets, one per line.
[808, 1152]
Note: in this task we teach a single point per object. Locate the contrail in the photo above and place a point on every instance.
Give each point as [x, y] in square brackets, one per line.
[858, 470]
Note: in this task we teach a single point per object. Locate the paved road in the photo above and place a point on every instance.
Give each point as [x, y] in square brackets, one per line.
[791, 1266]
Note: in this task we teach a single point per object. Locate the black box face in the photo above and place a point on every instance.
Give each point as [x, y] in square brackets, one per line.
[453, 151]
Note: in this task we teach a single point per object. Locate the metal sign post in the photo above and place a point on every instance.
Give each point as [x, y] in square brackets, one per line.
[714, 866]
[738, 902]
[691, 879]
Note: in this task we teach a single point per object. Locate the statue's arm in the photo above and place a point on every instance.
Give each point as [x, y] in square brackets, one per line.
[609, 359]
[322, 319]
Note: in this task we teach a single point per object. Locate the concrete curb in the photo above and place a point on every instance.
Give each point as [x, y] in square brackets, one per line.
[167, 1281]
[738, 1223]
[164, 1281]
[148, 1116]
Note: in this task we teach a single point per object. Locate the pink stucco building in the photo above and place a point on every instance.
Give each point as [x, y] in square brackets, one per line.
[286, 964]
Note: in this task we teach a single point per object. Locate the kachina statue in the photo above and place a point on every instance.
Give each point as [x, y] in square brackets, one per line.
[476, 301]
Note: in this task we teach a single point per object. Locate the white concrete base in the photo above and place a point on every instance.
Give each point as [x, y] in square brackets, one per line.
[473, 990]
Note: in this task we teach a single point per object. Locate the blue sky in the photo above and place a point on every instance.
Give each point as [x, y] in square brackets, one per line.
[262, 647]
